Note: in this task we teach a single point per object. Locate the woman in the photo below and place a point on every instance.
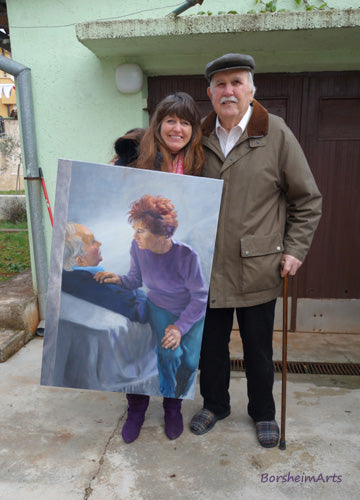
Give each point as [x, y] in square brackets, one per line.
[172, 143]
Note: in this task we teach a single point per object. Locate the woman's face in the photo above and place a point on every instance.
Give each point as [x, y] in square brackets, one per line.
[147, 240]
[175, 132]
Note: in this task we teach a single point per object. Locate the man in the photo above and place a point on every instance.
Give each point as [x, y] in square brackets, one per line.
[270, 209]
[81, 262]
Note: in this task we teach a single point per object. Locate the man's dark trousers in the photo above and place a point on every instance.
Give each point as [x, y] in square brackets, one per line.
[256, 325]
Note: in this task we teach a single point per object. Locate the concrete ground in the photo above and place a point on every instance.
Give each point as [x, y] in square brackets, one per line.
[66, 444]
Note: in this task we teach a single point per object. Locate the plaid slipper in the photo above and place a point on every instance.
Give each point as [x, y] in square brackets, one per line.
[267, 433]
[203, 421]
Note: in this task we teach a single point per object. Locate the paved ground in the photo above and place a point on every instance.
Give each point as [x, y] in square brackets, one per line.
[65, 444]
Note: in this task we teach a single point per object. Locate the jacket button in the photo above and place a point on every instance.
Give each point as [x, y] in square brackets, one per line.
[278, 248]
[247, 252]
[213, 301]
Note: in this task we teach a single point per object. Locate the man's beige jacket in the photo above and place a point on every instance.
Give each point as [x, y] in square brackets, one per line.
[270, 205]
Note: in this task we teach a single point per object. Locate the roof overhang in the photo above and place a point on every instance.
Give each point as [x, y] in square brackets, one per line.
[326, 40]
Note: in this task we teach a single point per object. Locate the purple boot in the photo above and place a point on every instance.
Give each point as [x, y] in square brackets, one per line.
[173, 418]
[137, 406]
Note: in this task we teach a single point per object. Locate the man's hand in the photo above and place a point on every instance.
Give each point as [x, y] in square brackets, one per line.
[289, 265]
[172, 338]
[107, 277]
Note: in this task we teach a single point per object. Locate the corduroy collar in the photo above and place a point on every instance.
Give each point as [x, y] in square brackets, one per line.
[258, 125]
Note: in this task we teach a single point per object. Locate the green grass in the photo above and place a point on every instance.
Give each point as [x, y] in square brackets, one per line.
[22, 191]
[4, 224]
[14, 250]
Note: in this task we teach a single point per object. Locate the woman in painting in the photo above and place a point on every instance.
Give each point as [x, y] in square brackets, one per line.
[177, 297]
[172, 143]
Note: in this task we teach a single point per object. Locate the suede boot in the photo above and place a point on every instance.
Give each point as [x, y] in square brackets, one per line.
[137, 406]
[173, 418]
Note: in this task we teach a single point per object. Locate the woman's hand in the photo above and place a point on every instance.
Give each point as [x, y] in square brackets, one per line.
[172, 338]
[107, 277]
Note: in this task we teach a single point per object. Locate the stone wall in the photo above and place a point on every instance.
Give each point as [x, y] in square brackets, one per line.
[9, 165]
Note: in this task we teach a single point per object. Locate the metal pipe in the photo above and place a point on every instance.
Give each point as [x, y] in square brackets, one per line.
[26, 113]
[185, 6]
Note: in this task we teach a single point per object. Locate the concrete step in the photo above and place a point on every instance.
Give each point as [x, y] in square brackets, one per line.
[19, 313]
[11, 341]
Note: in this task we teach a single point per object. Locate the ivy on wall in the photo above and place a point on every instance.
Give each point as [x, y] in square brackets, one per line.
[271, 6]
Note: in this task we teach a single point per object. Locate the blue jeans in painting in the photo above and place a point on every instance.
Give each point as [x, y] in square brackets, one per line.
[178, 368]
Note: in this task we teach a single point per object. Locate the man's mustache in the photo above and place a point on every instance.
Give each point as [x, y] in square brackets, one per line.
[232, 98]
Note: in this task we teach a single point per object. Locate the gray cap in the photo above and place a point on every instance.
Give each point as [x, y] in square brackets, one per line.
[229, 61]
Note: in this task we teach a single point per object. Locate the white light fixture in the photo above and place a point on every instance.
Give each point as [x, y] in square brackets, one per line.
[129, 78]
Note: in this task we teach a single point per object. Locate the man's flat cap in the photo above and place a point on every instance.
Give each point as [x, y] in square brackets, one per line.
[229, 61]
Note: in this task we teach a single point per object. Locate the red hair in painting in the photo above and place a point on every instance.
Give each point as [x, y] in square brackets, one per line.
[156, 212]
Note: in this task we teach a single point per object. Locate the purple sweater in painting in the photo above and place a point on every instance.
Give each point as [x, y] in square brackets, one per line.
[174, 280]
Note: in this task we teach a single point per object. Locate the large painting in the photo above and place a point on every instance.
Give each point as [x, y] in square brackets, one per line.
[129, 275]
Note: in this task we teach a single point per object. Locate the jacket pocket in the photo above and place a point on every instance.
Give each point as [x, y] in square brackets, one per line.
[260, 262]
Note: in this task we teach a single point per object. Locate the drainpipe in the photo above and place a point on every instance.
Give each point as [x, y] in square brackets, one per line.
[185, 6]
[24, 94]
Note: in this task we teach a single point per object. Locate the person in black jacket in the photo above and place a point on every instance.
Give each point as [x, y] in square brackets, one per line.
[127, 147]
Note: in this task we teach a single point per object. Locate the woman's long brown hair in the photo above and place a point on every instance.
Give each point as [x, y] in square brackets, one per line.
[183, 106]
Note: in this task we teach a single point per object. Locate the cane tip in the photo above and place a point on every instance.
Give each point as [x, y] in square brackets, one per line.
[282, 445]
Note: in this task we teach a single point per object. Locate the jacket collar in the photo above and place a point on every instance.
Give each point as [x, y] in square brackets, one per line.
[258, 125]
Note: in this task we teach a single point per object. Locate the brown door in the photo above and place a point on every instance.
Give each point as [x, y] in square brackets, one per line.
[323, 111]
[330, 136]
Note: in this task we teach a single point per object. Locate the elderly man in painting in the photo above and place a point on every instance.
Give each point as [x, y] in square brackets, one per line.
[81, 260]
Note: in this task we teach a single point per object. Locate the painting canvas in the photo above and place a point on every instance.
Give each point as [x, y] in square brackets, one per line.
[129, 275]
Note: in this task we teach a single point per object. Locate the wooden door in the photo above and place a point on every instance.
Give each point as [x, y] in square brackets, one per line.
[330, 136]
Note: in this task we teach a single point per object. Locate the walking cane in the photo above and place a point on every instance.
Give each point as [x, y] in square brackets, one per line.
[282, 444]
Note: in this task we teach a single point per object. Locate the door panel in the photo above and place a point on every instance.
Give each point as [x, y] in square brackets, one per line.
[330, 136]
[160, 86]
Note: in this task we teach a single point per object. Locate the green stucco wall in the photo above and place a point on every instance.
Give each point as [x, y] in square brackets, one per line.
[78, 110]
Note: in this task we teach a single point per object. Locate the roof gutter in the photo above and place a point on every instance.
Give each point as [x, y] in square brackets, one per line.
[185, 6]
[24, 94]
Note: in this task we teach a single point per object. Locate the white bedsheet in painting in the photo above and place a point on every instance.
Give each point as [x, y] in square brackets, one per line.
[102, 350]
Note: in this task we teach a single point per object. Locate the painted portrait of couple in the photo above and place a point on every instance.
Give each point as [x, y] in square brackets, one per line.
[129, 274]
